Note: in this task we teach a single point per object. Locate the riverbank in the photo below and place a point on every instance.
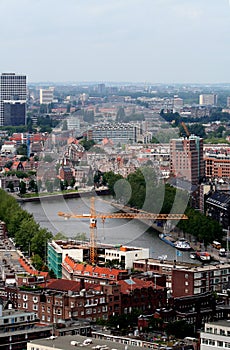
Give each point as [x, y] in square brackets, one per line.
[69, 195]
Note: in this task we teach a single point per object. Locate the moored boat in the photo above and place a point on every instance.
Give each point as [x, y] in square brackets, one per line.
[167, 238]
[182, 244]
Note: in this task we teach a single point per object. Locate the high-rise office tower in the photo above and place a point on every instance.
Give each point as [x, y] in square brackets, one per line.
[186, 158]
[12, 99]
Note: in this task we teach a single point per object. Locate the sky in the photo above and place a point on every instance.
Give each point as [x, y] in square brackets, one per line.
[151, 41]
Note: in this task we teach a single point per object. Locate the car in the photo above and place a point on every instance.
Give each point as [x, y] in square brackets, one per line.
[222, 252]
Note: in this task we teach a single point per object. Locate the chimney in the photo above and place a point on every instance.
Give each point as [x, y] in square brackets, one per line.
[82, 283]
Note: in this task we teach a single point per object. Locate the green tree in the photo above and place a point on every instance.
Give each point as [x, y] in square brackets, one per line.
[48, 158]
[180, 329]
[120, 117]
[37, 262]
[39, 242]
[25, 233]
[22, 149]
[22, 187]
[10, 186]
[59, 236]
[49, 186]
[72, 182]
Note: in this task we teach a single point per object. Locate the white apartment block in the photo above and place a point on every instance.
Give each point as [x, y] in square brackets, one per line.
[216, 336]
[46, 95]
[208, 100]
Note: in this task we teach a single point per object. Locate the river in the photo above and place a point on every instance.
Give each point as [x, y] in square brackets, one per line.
[115, 231]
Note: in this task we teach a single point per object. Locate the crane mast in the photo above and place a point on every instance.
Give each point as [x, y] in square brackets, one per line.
[93, 216]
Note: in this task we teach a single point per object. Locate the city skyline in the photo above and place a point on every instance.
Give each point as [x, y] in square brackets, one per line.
[160, 41]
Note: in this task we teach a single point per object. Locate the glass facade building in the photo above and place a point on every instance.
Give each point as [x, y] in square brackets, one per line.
[13, 92]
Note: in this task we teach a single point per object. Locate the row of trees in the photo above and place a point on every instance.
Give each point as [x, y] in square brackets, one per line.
[143, 190]
[22, 227]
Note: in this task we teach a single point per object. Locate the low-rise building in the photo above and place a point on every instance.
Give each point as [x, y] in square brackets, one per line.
[122, 255]
[74, 270]
[199, 279]
[19, 327]
[216, 335]
[218, 207]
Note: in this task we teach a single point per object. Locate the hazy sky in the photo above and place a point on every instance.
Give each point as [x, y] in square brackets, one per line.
[157, 41]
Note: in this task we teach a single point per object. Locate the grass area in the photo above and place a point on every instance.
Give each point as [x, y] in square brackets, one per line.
[214, 140]
[43, 194]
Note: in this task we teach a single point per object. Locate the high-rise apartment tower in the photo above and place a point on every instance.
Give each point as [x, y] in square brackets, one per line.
[186, 158]
[12, 99]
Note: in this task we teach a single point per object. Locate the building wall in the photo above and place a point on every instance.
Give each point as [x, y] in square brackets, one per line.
[12, 96]
[199, 279]
[186, 158]
[217, 167]
[46, 96]
[215, 336]
[208, 99]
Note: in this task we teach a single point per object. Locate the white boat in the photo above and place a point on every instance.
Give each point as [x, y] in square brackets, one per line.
[182, 244]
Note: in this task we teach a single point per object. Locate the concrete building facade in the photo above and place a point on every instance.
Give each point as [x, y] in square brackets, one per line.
[13, 92]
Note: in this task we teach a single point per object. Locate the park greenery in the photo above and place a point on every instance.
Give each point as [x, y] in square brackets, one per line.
[143, 190]
[21, 226]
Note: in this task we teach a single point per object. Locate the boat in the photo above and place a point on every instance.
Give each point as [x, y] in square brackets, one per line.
[167, 238]
[182, 244]
[203, 256]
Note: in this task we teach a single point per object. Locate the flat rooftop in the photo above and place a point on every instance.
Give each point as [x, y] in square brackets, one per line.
[65, 343]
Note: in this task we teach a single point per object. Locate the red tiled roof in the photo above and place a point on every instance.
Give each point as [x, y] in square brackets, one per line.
[30, 270]
[129, 285]
[103, 272]
[66, 285]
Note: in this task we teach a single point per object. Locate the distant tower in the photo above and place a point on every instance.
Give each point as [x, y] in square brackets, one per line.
[208, 100]
[12, 99]
[46, 96]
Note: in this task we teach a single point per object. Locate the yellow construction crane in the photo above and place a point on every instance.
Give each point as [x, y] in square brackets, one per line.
[93, 216]
[185, 129]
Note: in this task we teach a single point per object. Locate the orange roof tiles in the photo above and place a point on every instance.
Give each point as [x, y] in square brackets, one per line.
[30, 270]
[102, 272]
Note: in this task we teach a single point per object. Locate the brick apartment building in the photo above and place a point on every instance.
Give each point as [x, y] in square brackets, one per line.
[186, 158]
[217, 166]
[62, 300]
[194, 279]
[73, 270]
[199, 279]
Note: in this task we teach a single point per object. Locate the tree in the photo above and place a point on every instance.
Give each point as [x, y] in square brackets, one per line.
[72, 182]
[49, 186]
[39, 242]
[27, 229]
[180, 329]
[37, 262]
[22, 149]
[22, 187]
[59, 236]
[32, 185]
[120, 117]
[48, 158]
[10, 186]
